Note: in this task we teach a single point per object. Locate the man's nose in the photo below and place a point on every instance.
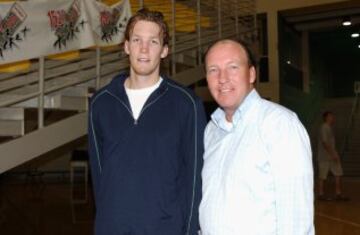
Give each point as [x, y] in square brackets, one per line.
[144, 47]
[223, 76]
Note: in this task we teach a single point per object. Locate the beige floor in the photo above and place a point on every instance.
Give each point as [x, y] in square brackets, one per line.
[34, 208]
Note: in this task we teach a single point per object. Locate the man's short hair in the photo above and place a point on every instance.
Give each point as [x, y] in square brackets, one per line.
[326, 114]
[152, 16]
[249, 54]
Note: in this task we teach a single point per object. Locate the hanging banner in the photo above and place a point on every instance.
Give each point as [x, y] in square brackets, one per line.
[32, 29]
[108, 23]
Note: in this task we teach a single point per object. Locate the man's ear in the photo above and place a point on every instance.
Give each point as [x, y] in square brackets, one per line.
[165, 51]
[126, 47]
[252, 74]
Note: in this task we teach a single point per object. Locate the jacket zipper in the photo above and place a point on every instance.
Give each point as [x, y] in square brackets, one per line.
[147, 106]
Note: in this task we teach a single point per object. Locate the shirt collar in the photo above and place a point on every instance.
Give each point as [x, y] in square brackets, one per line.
[218, 117]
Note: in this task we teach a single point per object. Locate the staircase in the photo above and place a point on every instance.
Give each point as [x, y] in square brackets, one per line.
[37, 116]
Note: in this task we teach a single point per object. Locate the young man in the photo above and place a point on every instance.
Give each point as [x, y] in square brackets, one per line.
[328, 157]
[257, 176]
[145, 142]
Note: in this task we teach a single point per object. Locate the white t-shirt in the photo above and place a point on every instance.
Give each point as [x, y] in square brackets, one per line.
[138, 97]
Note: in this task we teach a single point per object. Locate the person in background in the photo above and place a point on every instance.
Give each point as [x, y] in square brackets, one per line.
[146, 142]
[258, 174]
[328, 158]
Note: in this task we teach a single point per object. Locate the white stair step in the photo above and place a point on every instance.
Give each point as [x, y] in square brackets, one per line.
[12, 128]
[58, 101]
[79, 103]
[12, 121]
[10, 113]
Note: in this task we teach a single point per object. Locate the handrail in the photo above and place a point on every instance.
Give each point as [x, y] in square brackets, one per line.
[206, 24]
[50, 90]
[350, 121]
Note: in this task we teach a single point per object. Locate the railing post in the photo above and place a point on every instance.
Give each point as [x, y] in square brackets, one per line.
[219, 19]
[141, 4]
[98, 67]
[173, 38]
[41, 92]
[198, 30]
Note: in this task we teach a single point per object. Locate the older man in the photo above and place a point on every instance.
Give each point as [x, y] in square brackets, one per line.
[257, 175]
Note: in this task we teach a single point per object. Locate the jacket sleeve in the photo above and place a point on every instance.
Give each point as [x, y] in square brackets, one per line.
[193, 149]
[94, 149]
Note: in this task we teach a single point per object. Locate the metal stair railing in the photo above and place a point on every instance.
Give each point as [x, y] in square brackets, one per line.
[96, 67]
[197, 39]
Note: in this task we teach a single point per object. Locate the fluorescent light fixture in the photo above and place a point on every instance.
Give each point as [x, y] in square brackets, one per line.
[355, 35]
[346, 21]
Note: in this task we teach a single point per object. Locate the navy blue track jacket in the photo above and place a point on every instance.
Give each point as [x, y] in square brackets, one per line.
[147, 172]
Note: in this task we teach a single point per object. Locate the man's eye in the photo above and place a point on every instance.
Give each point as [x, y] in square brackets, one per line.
[212, 70]
[155, 42]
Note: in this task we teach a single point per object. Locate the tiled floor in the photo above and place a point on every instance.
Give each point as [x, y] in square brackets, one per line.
[45, 209]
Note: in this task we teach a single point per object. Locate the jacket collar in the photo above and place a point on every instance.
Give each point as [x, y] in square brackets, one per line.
[116, 88]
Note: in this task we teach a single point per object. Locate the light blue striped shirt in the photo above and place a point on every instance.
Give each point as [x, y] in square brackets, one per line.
[258, 174]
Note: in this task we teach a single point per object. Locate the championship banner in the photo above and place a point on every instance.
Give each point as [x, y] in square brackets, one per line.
[108, 23]
[32, 29]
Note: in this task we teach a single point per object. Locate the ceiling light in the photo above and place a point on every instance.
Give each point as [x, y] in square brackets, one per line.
[355, 35]
[346, 21]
